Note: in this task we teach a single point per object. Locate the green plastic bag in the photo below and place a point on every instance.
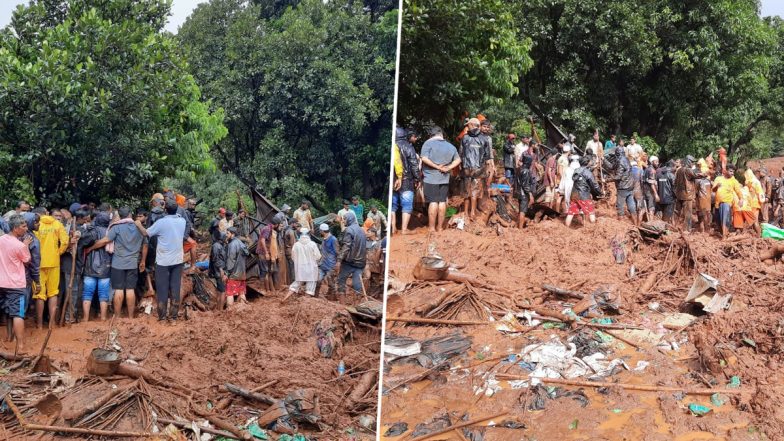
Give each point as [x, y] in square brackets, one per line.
[772, 232]
[699, 409]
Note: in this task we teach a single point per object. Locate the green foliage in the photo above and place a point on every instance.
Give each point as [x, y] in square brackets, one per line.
[456, 52]
[687, 76]
[97, 102]
[307, 90]
[215, 190]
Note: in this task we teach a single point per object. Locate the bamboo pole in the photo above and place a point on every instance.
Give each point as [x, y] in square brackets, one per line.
[638, 387]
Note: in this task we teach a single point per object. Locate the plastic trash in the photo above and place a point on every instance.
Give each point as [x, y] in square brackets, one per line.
[257, 431]
[770, 231]
[503, 188]
[734, 382]
[367, 422]
[699, 409]
[718, 400]
[396, 429]
[341, 368]
[573, 425]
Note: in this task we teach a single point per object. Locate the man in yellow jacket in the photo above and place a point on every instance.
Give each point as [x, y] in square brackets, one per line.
[54, 241]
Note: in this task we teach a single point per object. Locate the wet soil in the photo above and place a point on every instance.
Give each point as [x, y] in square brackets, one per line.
[247, 345]
[745, 341]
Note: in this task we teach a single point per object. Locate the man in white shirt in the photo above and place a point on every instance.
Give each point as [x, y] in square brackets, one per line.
[521, 147]
[634, 150]
[595, 146]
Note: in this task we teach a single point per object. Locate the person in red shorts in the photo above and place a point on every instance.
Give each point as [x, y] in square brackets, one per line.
[584, 190]
[236, 252]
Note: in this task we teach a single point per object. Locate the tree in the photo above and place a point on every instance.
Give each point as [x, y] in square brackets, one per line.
[308, 94]
[97, 102]
[688, 76]
[453, 53]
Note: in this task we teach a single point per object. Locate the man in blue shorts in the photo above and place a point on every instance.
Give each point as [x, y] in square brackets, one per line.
[403, 194]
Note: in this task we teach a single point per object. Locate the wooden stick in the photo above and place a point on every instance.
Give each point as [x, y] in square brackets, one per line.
[264, 386]
[111, 325]
[187, 425]
[223, 424]
[459, 426]
[639, 387]
[563, 292]
[255, 396]
[43, 348]
[434, 321]
[630, 343]
[70, 287]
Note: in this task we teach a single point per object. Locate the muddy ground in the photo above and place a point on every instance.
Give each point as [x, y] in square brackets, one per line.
[744, 341]
[265, 343]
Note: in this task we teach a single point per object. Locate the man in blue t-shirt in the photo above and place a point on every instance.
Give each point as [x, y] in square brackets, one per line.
[439, 157]
[610, 143]
[329, 259]
[169, 231]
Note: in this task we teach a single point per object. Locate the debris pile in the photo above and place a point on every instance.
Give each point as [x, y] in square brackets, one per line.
[626, 328]
[260, 370]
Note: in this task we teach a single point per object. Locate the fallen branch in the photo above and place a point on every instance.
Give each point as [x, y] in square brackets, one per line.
[75, 414]
[639, 387]
[253, 396]
[459, 426]
[365, 383]
[77, 430]
[41, 352]
[563, 292]
[434, 321]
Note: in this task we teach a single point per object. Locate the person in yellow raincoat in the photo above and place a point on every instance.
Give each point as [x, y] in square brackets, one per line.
[54, 241]
[755, 198]
[729, 194]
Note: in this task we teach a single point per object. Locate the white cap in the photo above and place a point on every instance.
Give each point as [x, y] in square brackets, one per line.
[324, 227]
[566, 149]
[654, 158]
[304, 231]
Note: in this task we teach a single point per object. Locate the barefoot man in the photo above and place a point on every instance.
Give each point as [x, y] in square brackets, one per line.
[439, 157]
[13, 256]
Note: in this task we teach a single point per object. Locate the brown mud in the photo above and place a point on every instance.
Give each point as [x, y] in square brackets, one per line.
[744, 341]
[265, 342]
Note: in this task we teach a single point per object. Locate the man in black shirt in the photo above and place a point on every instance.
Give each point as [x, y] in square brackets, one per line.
[665, 179]
[477, 164]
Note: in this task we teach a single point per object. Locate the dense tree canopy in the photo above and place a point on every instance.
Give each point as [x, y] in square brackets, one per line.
[307, 89]
[97, 102]
[686, 75]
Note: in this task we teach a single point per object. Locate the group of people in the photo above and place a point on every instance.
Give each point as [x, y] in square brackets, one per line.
[288, 255]
[116, 254]
[92, 251]
[570, 180]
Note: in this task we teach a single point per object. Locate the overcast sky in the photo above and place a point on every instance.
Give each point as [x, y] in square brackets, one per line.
[182, 8]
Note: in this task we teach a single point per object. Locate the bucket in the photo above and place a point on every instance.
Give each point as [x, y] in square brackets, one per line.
[103, 362]
[431, 268]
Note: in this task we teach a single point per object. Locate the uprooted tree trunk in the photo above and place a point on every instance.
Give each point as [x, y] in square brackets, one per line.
[772, 254]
